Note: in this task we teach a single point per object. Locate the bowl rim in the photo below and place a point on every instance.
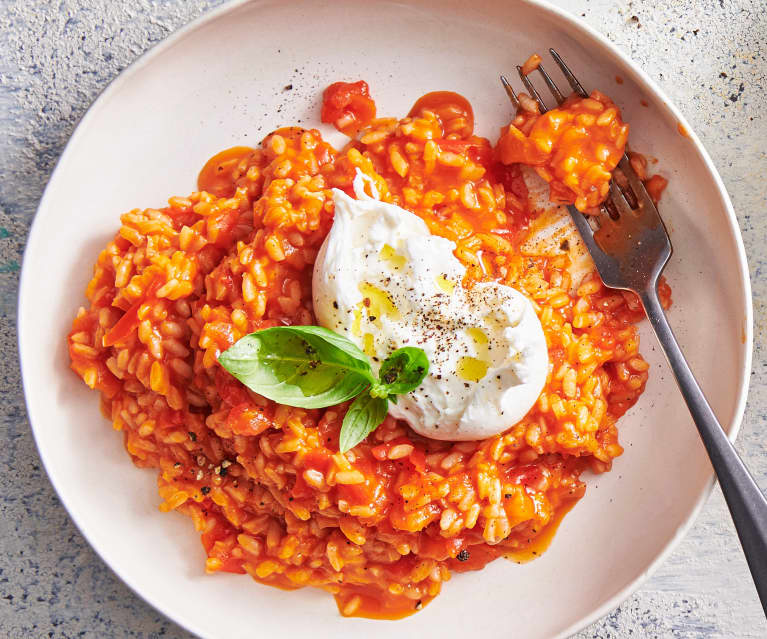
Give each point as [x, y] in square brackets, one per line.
[574, 23]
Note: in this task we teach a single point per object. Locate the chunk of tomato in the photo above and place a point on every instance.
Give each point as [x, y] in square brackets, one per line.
[348, 106]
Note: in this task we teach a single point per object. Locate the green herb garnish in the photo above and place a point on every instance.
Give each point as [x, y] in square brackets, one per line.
[312, 367]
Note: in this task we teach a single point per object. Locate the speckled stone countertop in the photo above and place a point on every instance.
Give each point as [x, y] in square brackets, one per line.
[55, 57]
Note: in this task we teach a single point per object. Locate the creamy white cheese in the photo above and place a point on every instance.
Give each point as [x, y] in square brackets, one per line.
[382, 280]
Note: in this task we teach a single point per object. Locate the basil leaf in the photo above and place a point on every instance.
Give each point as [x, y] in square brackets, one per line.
[304, 366]
[362, 418]
[402, 371]
[312, 367]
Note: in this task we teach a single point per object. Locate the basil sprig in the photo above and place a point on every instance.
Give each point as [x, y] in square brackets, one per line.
[312, 367]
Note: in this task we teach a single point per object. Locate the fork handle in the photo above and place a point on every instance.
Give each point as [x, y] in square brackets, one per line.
[746, 502]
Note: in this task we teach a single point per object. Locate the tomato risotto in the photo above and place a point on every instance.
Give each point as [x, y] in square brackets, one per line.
[382, 526]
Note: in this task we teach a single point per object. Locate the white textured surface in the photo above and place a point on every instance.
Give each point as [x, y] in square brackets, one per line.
[56, 56]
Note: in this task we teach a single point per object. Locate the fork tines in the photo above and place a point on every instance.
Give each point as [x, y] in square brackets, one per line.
[612, 235]
[550, 84]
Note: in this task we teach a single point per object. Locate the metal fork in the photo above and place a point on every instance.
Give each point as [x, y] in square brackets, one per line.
[630, 247]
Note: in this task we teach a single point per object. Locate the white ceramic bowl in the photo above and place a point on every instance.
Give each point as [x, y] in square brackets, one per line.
[220, 82]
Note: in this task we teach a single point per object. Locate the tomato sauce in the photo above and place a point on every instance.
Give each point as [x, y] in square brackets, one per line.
[372, 606]
[540, 544]
[453, 110]
[216, 176]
